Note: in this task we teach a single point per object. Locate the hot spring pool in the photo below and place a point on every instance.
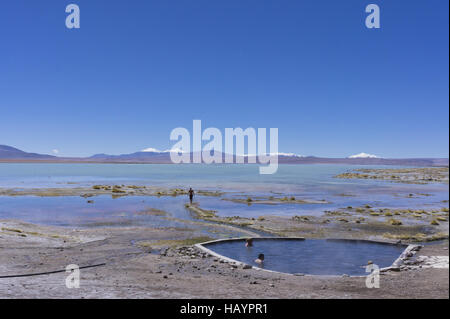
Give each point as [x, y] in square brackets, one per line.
[311, 256]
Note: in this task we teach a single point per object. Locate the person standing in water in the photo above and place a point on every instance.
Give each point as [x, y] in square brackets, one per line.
[191, 194]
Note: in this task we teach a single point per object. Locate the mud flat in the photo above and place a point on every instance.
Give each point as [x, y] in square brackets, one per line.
[96, 190]
[135, 190]
[162, 263]
[421, 175]
[383, 224]
[148, 262]
[271, 200]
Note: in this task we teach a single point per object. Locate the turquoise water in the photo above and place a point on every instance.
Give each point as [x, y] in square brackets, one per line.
[295, 179]
[231, 177]
[302, 181]
[311, 256]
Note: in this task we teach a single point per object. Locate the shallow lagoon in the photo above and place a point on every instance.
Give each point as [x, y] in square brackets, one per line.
[238, 181]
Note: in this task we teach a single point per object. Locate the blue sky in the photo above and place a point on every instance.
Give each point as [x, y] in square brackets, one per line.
[137, 69]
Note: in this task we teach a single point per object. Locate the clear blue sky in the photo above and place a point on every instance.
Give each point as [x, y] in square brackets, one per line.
[137, 69]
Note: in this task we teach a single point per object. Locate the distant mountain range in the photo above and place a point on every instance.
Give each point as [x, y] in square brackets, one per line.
[8, 152]
[152, 156]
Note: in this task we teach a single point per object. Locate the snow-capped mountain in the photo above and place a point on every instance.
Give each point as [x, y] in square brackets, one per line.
[155, 156]
[155, 150]
[363, 155]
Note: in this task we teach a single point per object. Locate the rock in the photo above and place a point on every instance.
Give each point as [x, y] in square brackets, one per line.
[246, 266]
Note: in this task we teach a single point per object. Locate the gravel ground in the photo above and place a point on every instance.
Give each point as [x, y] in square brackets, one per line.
[134, 271]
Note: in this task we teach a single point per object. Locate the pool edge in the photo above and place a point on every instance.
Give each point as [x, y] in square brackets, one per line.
[408, 252]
